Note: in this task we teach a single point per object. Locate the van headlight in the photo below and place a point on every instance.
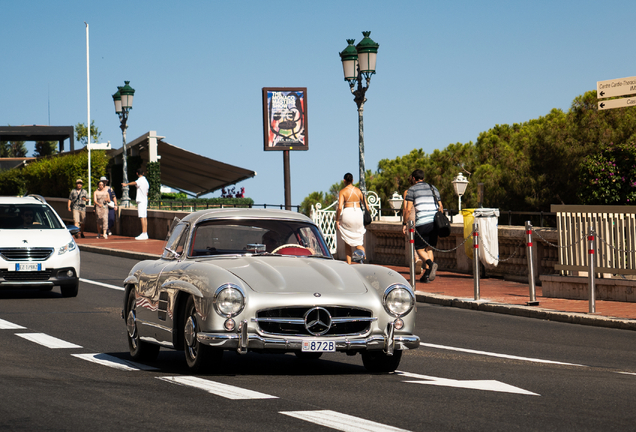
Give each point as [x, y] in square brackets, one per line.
[229, 300]
[67, 248]
[398, 300]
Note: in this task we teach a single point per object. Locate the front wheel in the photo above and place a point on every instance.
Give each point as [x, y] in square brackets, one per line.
[70, 290]
[379, 362]
[139, 350]
[199, 357]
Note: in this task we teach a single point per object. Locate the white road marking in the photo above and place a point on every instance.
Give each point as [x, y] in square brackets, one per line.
[341, 422]
[47, 341]
[115, 287]
[114, 362]
[219, 389]
[507, 356]
[488, 385]
[6, 325]
[627, 373]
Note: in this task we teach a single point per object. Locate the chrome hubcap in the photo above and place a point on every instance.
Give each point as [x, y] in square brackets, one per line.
[131, 325]
[190, 335]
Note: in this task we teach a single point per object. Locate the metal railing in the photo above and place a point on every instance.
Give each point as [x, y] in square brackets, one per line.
[615, 227]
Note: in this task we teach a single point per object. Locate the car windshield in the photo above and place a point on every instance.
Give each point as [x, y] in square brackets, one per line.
[28, 216]
[257, 236]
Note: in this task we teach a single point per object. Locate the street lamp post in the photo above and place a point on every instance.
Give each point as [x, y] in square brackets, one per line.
[123, 104]
[460, 183]
[359, 62]
[396, 202]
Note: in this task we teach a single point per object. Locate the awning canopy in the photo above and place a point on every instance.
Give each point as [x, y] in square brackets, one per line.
[182, 169]
[187, 171]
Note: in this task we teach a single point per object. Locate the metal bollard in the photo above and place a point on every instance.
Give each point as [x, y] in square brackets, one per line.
[476, 259]
[412, 252]
[592, 258]
[533, 297]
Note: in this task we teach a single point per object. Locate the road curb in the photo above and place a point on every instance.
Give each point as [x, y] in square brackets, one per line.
[119, 253]
[528, 311]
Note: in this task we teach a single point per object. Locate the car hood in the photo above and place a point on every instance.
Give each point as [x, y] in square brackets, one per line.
[54, 238]
[286, 275]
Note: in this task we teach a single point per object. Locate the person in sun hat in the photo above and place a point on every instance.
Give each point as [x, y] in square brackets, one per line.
[77, 205]
[112, 205]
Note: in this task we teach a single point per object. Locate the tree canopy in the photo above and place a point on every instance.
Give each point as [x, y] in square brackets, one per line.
[582, 156]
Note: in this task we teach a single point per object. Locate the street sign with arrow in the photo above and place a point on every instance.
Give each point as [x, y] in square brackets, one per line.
[616, 87]
[617, 103]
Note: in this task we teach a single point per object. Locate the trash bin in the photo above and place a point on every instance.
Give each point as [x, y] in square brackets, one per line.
[469, 219]
[488, 221]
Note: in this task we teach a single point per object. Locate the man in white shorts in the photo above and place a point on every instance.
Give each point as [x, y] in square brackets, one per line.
[142, 202]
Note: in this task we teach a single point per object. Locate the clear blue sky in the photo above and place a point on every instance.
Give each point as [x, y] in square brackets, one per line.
[446, 71]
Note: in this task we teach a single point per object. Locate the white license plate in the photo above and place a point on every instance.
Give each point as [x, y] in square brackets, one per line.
[319, 346]
[29, 267]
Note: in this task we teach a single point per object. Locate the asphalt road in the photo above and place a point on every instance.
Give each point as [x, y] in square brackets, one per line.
[474, 371]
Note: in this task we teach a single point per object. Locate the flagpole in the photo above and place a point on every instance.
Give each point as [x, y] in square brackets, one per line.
[88, 123]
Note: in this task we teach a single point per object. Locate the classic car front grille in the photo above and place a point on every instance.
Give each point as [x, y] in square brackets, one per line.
[345, 321]
[26, 254]
[25, 276]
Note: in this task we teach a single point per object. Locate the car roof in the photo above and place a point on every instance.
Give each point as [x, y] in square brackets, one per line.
[20, 200]
[245, 213]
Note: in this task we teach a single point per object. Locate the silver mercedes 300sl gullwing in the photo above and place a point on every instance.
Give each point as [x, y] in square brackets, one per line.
[264, 280]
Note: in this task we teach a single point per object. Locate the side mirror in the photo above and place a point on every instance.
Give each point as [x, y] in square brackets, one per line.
[358, 256]
[72, 229]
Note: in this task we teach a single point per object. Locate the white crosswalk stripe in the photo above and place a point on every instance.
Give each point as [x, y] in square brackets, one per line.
[114, 362]
[47, 341]
[341, 422]
[219, 389]
[6, 325]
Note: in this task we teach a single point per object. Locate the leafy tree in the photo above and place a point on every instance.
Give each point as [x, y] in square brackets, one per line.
[609, 177]
[45, 148]
[529, 166]
[81, 135]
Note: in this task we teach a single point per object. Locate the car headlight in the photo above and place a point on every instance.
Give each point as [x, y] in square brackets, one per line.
[229, 300]
[67, 248]
[398, 300]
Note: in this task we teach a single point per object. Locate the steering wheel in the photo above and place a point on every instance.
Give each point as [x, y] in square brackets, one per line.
[293, 249]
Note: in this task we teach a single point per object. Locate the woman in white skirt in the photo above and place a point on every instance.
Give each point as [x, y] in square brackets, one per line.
[349, 217]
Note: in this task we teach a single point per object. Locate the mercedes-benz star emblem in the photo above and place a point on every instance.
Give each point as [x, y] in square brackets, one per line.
[317, 321]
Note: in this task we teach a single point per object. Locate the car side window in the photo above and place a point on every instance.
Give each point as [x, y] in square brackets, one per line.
[177, 241]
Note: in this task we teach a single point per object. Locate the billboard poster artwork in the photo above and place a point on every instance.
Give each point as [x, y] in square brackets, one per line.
[285, 118]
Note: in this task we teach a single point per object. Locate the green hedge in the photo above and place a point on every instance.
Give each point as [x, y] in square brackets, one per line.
[201, 203]
[54, 176]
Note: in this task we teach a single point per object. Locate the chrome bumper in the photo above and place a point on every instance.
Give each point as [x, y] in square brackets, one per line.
[242, 342]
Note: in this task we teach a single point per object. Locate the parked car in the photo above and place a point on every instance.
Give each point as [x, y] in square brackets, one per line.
[264, 280]
[36, 249]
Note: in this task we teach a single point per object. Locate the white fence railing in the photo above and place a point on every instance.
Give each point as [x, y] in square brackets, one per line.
[615, 227]
[326, 219]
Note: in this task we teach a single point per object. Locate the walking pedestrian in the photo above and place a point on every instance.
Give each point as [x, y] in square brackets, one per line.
[349, 217]
[101, 199]
[426, 200]
[77, 205]
[142, 202]
[410, 216]
[112, 205]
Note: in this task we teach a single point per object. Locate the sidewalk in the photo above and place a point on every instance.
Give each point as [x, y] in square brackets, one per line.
[448, 289]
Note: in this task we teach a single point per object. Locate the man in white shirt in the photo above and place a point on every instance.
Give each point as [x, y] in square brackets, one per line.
[142, 202]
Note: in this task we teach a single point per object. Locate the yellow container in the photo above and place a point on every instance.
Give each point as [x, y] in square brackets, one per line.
[469, 219]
